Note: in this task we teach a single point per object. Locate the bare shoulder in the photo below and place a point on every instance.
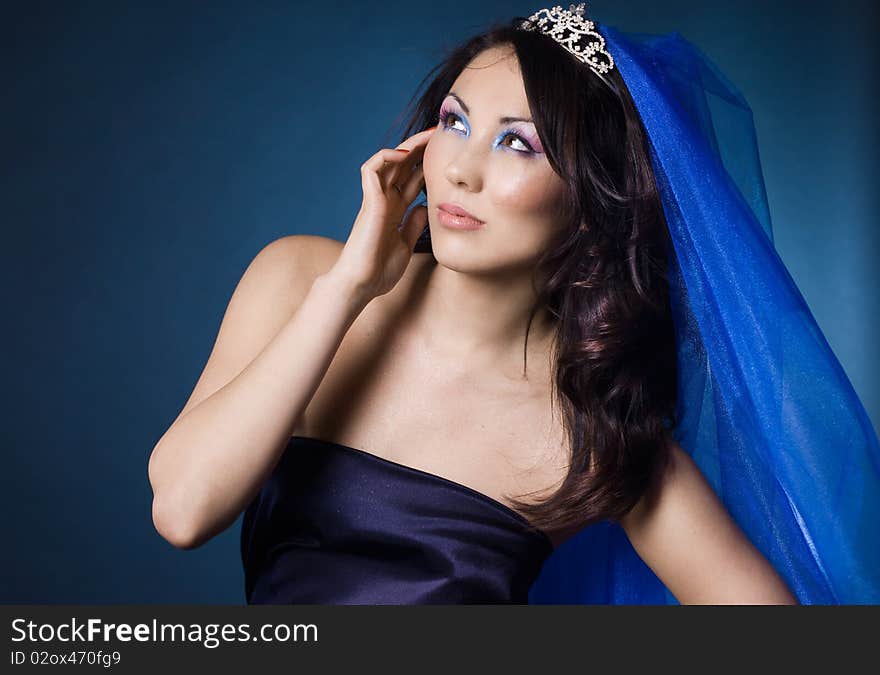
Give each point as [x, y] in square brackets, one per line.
[313, 253]
[305, 256]
[279, 277]
[269, 292]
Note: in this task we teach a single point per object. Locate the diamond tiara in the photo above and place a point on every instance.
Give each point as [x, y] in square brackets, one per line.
[576, 33]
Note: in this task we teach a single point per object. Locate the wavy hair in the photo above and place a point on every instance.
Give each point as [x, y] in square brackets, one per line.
[603, 279]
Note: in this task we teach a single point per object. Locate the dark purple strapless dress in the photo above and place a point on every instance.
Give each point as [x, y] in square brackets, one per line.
[340, 526]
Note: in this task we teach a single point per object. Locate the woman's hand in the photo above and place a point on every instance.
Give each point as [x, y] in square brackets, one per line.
[380, 246]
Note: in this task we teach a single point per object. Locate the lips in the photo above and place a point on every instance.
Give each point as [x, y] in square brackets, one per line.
[457, 222]
[457, 210]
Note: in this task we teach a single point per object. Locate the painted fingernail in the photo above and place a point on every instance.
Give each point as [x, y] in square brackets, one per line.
[401, 149]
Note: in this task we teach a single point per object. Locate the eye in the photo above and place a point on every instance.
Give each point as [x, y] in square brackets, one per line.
[448, 118]
[445, 116]
[510, 134]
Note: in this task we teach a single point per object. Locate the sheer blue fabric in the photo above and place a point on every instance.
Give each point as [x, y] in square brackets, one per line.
[766, 410]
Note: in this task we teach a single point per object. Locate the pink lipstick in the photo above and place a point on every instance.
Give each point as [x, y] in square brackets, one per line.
[456, 217]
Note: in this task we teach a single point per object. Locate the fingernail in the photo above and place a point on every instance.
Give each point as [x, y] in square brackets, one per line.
[401, 150]
[432, 128]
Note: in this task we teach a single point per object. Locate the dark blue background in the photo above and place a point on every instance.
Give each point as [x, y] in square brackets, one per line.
[149, 150]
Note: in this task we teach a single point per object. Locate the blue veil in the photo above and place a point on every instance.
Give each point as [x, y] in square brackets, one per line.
[766, 410]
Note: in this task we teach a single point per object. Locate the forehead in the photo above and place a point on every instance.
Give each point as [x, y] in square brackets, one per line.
[492, 80]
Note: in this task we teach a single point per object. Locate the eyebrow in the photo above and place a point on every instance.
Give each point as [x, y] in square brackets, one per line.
[501, 120]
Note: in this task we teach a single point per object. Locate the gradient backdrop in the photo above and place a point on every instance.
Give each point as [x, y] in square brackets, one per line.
[149, 150]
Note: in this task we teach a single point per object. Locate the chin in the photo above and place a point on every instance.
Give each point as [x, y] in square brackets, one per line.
[460, 256]
[474, 260]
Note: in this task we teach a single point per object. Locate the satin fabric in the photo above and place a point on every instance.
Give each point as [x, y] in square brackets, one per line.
[337, 525]
[766, 410]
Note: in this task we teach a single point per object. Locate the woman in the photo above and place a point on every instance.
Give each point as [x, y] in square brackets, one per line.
[414, 419]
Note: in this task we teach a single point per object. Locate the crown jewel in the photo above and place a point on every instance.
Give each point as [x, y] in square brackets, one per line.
[575, 32]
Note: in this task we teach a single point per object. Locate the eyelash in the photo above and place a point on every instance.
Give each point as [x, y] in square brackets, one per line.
[444, 117]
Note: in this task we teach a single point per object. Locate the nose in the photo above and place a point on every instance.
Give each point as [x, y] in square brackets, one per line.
[465, 169]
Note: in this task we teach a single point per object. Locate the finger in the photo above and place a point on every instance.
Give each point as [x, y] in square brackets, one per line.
[411, 187]
[400, 172]
[373, 174]
[416, 144]
[386, 162]
[413, 225]
[419, 139]
[393, 171]
[403, 172]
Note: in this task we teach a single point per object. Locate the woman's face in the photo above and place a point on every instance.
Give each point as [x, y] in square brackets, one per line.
[495, 169]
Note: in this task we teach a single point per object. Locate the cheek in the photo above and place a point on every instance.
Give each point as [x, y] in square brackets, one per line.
[528, 195]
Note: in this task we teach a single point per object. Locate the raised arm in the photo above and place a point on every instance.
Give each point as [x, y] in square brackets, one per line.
[284, 323]
[686, 536]
[280, 332]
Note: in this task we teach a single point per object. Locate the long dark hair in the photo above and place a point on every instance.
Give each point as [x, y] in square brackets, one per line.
[603, 280]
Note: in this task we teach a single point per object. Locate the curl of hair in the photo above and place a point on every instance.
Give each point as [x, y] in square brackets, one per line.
[603, 280]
